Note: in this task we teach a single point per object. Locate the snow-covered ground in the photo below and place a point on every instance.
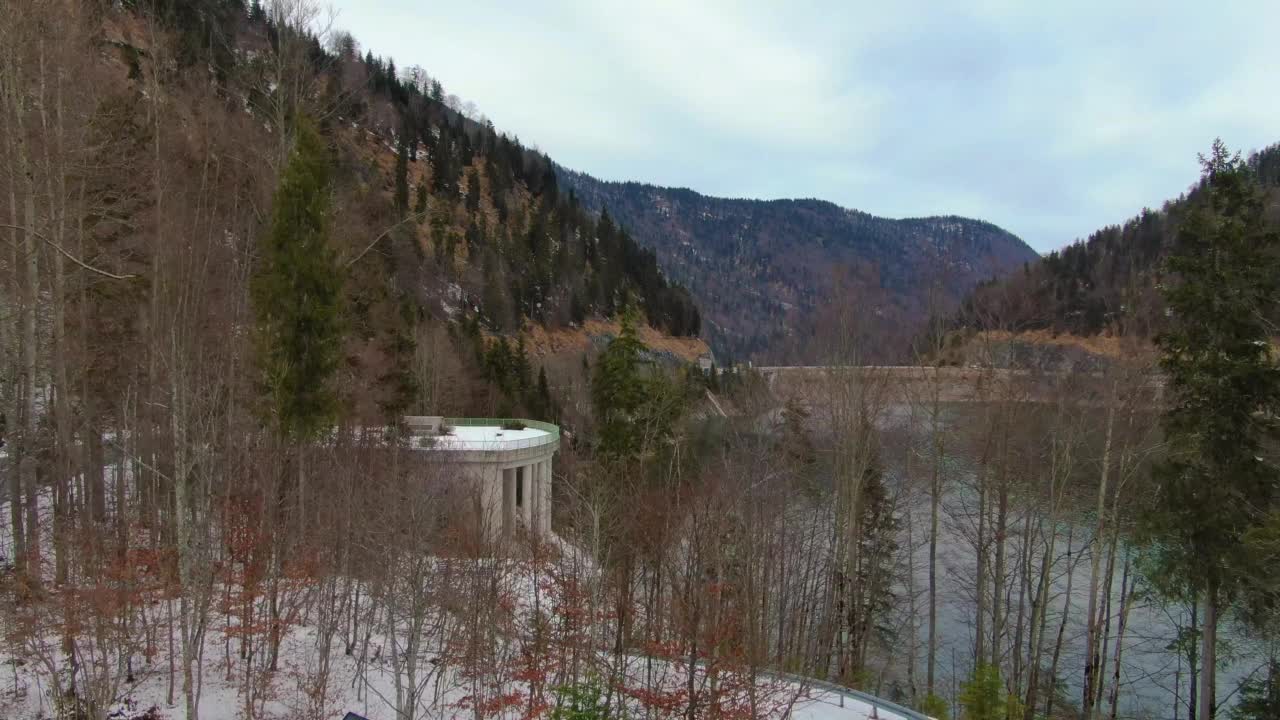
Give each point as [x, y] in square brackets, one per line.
[33, 654]
[369, 693]
[367, 688]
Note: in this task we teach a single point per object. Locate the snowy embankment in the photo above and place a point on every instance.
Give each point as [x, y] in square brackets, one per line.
[369, 692]
[493, 657]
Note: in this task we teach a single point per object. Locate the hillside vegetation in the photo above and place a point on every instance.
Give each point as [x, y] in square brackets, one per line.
[1109, 281]
[239, 252]
[147, 148]
[777, 279]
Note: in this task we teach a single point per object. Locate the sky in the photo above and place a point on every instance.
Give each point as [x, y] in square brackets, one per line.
[1049, 119]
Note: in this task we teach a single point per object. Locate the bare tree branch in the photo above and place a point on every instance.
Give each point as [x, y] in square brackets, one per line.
[69, 256]
[384, 233]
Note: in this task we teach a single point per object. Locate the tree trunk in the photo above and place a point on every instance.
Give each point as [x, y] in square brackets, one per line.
[1209, 652]
[29, 369]
[1062, 629]
[184, 514]
[1095, 556]
[1025, 559]
[1126, 602]
[980, 611]
[13, 432]
[1001, 531]
[1193, 667]
[63, 463]
[935, 501]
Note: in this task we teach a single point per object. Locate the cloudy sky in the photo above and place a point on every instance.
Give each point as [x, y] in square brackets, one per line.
[1049, 119]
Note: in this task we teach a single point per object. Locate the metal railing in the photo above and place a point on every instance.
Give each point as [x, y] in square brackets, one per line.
[857, 695]
[809, 684]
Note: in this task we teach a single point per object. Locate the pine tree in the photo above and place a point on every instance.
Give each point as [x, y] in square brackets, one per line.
[984, 696]
[1223, 386]
[442, 165]
[499, 363]
[439, 224]
[584, 701]
[878, 530]
[934, 706]
[545, 403]
[398, 384]
[420, 199]
[797, 446]
[495, 310]
[521, 367]
[473, 191]
[1260, 696]
[297, 295]
[618, 390]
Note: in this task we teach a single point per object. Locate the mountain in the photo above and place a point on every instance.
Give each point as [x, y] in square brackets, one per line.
[777, 279]
[1108, 281]
[159, 165]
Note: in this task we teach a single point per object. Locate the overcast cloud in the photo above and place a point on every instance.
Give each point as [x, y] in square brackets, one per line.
[1049, 119]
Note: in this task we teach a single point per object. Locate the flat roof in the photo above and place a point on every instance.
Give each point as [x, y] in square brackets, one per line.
[490, 437]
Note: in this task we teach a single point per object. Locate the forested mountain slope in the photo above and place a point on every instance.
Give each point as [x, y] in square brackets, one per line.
[1107, 282]
[144, 153]
[237, 253]
[778, 280]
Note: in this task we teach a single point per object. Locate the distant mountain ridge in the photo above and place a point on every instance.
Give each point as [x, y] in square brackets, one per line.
[781, 280]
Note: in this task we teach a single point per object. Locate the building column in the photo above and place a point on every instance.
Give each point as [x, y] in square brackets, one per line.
[489, 502]
[508, 501]
[544, 497]
[526, 516]
[535, 499]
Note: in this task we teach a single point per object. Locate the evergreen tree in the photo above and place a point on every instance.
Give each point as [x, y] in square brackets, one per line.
[442, 166]
[495, 310]
[1223, 385]
[584, 701]
[420, 199]
[983, 697]
[500, 364]
[934, 706]
[297, 295]
[797, 446]
[440, 231]
[878, 530]
[618, 390]
[398, 384]
[520, 361]
[544, 401]
[1260, 696]
[473, 190]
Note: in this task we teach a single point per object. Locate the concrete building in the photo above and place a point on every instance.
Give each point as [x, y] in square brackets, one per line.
[510, 461]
